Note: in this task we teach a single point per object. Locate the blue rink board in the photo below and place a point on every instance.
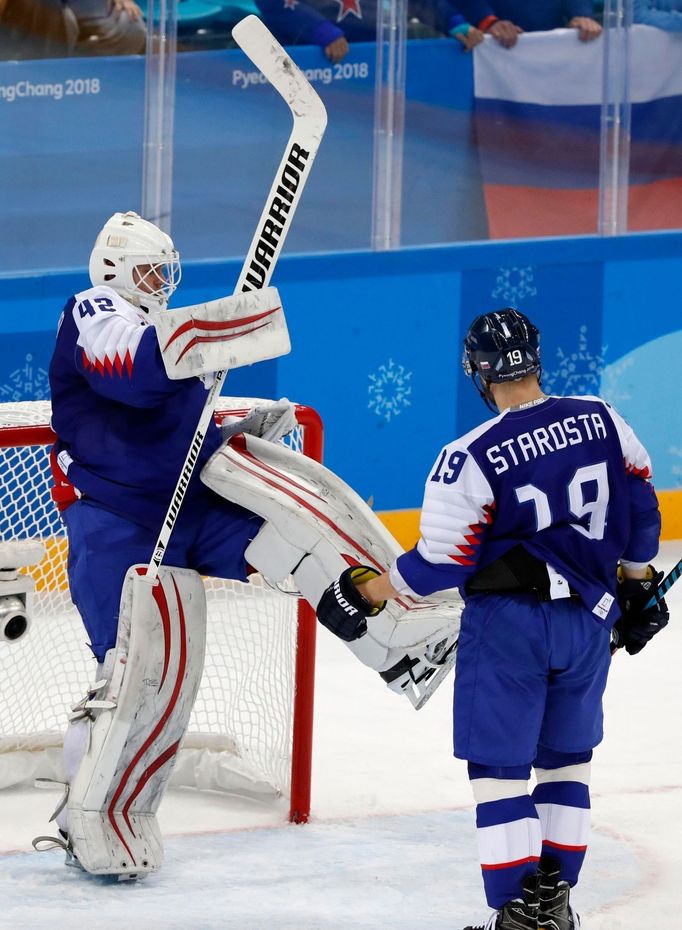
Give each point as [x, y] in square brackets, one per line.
[377, 337]
[71, 140]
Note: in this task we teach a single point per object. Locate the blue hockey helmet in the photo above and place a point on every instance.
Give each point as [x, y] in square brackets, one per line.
[501, 346]
[498, 347]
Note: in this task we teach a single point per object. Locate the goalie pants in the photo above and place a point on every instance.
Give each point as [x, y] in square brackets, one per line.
[529, 681]
[210, 536]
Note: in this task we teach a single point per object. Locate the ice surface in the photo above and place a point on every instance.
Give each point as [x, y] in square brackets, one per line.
[402, 871]
[391, 843]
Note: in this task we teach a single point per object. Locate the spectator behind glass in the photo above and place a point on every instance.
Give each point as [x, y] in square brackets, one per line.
[506, 19]
[332, 24]
[665, 14]
[36, 29]
[108, 27]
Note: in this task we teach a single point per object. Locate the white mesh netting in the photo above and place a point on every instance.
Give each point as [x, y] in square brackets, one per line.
[241, 727]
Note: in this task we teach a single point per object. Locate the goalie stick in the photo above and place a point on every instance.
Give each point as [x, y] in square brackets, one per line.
[310, 120]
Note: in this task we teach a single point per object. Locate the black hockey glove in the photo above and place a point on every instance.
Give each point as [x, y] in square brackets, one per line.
[637, 626]
[343, 610]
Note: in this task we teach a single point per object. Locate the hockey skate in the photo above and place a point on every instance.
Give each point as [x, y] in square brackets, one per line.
[555, 912]
[46, 843]
[519, 914]
[62, 841]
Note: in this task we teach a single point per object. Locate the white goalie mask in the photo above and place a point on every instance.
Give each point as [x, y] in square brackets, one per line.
[137, 260]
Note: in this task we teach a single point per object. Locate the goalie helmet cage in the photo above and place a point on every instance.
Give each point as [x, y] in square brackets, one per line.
[251, 727]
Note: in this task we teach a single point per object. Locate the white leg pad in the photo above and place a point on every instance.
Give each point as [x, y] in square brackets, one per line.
[316, 526]
[136, 721]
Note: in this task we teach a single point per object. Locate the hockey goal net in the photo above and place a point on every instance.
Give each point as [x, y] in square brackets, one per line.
[251, 728]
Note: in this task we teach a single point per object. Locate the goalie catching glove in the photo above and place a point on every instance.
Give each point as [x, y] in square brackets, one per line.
[343, 610]
[639, 623]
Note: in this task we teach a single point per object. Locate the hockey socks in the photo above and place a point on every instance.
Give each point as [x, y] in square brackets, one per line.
[507, 830]
[562, 800]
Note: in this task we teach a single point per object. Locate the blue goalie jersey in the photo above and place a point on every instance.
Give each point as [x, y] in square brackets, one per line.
[566, 478]
[123, 426]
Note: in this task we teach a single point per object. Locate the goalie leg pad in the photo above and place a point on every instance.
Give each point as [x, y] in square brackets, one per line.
[316, 526]
[137, 718]
[314, 563]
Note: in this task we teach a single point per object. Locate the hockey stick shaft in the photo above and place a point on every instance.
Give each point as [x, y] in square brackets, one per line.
[309, 122]
[665, 585]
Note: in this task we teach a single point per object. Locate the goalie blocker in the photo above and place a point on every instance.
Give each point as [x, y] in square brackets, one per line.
[315, 528]
[223, 334]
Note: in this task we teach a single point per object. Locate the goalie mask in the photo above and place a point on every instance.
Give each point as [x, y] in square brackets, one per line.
[137, 260]
[501, 346]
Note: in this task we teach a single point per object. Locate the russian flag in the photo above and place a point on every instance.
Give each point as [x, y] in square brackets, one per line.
[537, 120]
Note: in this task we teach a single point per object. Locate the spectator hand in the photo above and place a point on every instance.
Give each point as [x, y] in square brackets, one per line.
[337, 49]
[505, 33]
[470, 39]
[124, 6]
[588, 29]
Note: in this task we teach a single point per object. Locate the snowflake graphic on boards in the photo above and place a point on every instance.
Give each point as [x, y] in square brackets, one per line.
[30, 382]
[614, 389]
[577, 372]
[676, 469]
[514, 284]
[389, 390]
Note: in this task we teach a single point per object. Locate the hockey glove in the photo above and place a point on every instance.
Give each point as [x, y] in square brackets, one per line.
[636, 625]
[343, 610]
[272, 421]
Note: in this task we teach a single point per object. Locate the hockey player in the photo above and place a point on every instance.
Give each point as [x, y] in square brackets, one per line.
[124, 427]
[530, 515]
[129, 380]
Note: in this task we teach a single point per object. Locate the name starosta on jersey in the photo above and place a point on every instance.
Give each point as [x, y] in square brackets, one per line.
[571, 431]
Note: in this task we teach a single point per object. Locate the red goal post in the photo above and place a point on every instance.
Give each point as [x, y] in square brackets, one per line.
[251, 728]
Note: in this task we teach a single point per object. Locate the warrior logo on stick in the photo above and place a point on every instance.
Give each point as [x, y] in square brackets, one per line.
[278, 214]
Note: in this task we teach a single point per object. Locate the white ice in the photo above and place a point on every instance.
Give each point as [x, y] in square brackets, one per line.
[391, 842]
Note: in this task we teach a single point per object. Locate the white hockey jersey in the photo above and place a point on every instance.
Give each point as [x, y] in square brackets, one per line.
[567, 478]
[123, 426]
